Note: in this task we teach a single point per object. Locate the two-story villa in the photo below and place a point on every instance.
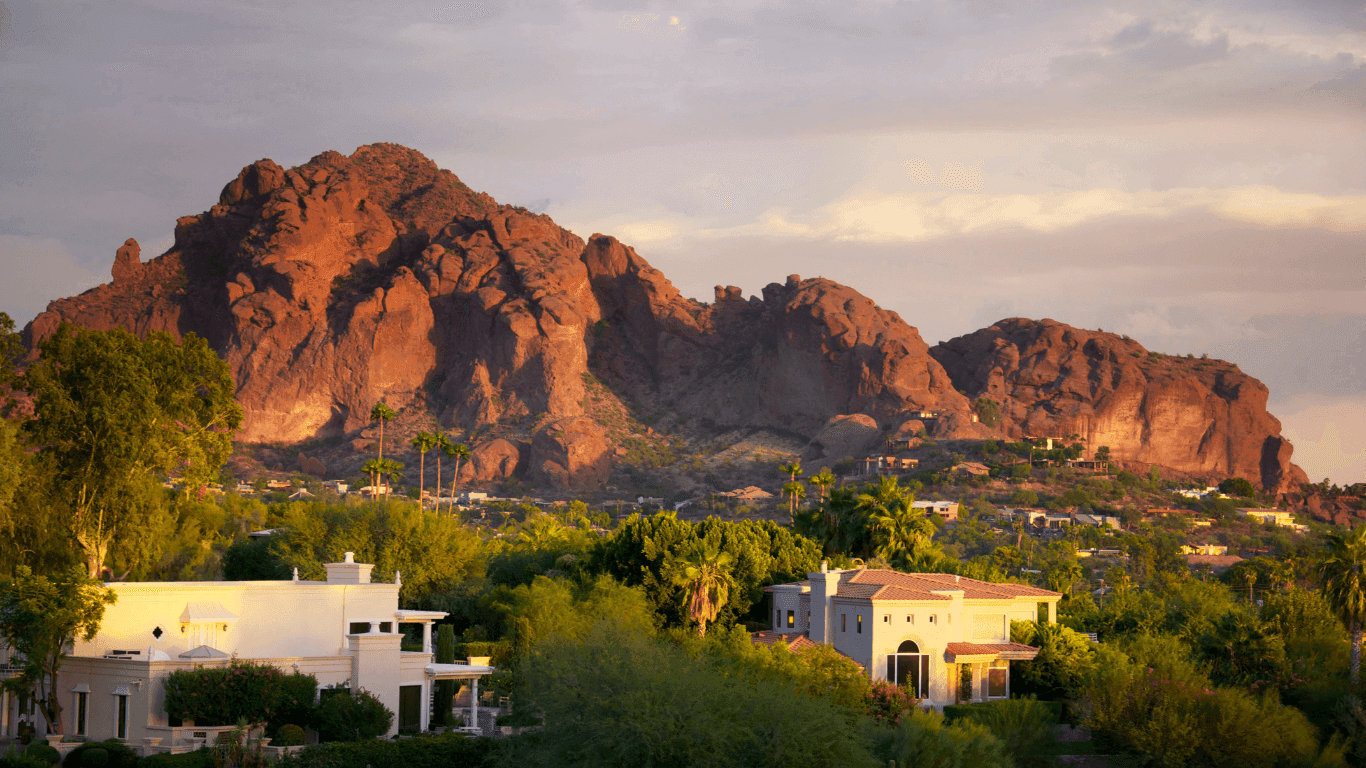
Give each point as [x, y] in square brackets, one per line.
[345, 631]
[934, 633]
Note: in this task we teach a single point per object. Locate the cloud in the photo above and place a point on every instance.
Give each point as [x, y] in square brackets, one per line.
[918, 217]
[1329, 435]
[36, 270]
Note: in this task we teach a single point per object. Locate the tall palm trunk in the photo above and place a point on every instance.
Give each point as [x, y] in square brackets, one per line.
[421, 478]
[438, 481]
[1356, 653]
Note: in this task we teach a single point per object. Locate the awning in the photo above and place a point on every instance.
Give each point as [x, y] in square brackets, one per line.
[416, 616]
[458, 671]
[206, 612]
[204, 652]
[962, 653]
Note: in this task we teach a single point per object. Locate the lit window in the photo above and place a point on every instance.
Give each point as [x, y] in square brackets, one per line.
[791, 619]
[860, 623]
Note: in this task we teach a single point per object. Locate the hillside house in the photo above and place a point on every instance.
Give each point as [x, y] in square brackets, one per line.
[1099, 521]
[345, 631]
[946, 510]
[1275, 516]
[974, 468]
[924, 631]
[1215, 550]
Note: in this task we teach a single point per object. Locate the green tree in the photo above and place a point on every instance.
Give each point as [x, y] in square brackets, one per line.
[988, 412]
[374, 468]
[39, 619]
[445, 689]
[791, 470]
[822, 480]
[1103, 454]
[423, 443]
[703, 575]
[1343, 571]
[110, 411]
[1237, 486]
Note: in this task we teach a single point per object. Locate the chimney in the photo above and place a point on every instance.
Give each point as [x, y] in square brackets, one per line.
[825, 566]
[348, 571]
[824, 585]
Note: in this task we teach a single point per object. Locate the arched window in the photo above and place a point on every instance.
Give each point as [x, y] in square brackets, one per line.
[910, 669]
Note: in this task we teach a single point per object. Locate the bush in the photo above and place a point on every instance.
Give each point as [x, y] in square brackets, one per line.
[888, 703]
[42, 753]
[428, 752]
[257, 693]
[95, 757]
[12, 758]
[1024, 726]
[924, 739]
[288, 736]
[353, 716]
[295, 702]
[201, 758]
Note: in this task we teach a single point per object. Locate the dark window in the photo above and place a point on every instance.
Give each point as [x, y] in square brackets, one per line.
[777, 618]
[791, 619]
[844, 622]
[910, 669]
[81, 712]
[886, 618]
[359, 627]
[386, 626]
[1043, 613]
[157, 633]
[121, 730]
[996, 683]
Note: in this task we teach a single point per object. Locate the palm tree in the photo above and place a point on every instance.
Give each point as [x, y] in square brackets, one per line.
[1344, 585]
[423, 443]
[1250, 576]
[392, 469]
[381, 413]
[373, 467]
[457, 451]
[822, 480]
[900, 531]
[794, 491]
[792, 470]
[1069, 574]
[705, 582]
[440, 446]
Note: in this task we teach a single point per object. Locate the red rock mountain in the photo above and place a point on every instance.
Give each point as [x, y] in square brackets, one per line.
[1050, 379]
[349, 279]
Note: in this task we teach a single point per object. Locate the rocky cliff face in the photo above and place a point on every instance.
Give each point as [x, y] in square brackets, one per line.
[1050, 379]
[347, 280]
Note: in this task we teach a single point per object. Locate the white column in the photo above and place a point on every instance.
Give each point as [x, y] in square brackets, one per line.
[474, 703]
[426, 637]
[374, 627]
[424, 721]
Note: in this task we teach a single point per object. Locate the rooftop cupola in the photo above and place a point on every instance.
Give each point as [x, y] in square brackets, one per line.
[348, 571]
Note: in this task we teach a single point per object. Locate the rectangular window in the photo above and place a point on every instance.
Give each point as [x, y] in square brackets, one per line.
[777, 617]
[121, 723]
[791, 619]
[386, 626]
[860, 623]
[1043, 613]
[910, 618]
[931, 618]
[844, 622]
[996, 683]
[886, 618]
[81, 712]
[359, 628]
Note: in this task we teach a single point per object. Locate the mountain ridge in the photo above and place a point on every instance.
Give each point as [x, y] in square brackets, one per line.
[350, 279]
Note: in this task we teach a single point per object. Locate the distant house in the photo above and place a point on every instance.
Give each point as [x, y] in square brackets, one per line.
[748, 493]
[947, 510]
[339, 487]
[1099, 521]
[924, 632]
[1204, 549]
[971, 468]
[886, 465]
[1087, 464]
[1277, 516]
[1112, 553]
[469, 497]
[301, 495]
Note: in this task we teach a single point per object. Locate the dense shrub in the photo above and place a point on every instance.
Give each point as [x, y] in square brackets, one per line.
[424, 752]
[295, 702]
[95, 754]
[1065, 660]
[241, 690]
[888, 703]
[1024, 726]
[922, 738]
[42, 753]
[13, 758]
[201, 758]
[1159, 706]
[288, 736]
[353, 716]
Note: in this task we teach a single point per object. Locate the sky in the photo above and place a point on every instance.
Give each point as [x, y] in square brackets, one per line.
[1190, 174]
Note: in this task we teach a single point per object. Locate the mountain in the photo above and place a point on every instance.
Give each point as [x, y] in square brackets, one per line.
[1198, 415]
[347, 280]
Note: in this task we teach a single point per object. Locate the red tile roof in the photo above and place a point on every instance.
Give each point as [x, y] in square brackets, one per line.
[994, 650]
[795, 643]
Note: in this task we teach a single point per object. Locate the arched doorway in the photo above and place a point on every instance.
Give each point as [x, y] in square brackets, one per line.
[910, 669]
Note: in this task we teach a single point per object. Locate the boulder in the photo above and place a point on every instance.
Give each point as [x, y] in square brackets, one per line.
[846, 435]
[571, 454]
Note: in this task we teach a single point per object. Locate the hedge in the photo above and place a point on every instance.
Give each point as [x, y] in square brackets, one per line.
[441, 751]
[967, 711]
[201, 758]
[111, 753]
[500, 652]
[242, 690]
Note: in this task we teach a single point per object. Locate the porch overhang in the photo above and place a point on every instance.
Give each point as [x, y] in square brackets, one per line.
[458, 671]
[968, 653]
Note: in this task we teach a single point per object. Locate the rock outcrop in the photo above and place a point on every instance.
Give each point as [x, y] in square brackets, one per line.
[347, 280]
[1195, 415]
